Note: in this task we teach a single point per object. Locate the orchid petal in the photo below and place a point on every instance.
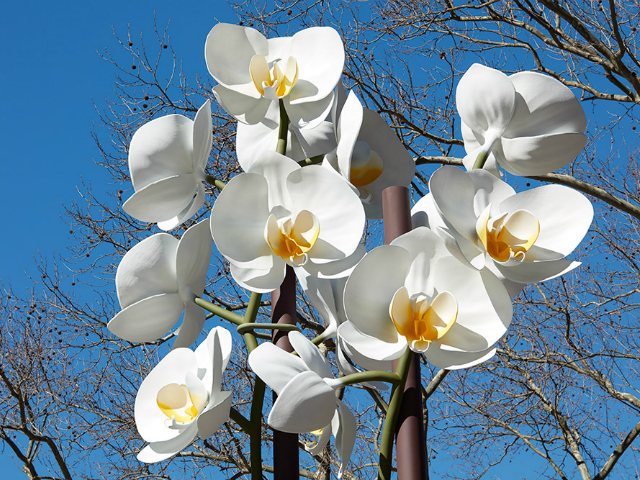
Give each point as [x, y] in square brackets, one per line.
[371, 287]
[158, 451]
[528, 156]
[489, 190]
[229, 48]
[348, 129]
[206, 354]
[486, 99]
[564, 215]
[535, 272]
[161, 148]
[325, 436]
[308, 114]
[210, 421]
[305, 404]
[260, 280]
[192, 257]
[310, 354]
[192, 324]
[162, 199]
[148, 319]
[275, 168]
[344, 427]
[457, 209]
[244, 108]
[454, 360]
[150, 420]
[484, 306]
[188, 212]
[369, 346]
[320, 55]
[275, 366]
[149, 268]
[309, 189]
[202, 136]
[238, 218]
[543, 106]
[345, 351]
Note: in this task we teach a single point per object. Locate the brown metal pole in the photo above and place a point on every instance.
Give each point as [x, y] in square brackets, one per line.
[411, 448]
[283, 310]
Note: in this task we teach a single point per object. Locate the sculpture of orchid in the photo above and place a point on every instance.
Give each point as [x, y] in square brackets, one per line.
[182, 397]
[167, 158]
[158, 280]
[277, 214]
[307, 399]
[413, 293]
[528, 123]
[523, 236]
[252, 72]
[369, 155]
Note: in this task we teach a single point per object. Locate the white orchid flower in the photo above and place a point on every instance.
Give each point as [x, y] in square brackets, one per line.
[182, 397]
[167, 158]
[528, 123]
[369, 155]
[413, 293]
[306, 397]
[279, 213]
[253, 72]
[158, 280]
[327, 297]
[252, 140]
[523, 236]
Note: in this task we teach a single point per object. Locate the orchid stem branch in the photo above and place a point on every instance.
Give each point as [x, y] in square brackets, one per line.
[386, 445]
[480, 160]
[219, 311]
[242, 422]
[215, 182]
[370, 376]
[283, 130]
[249, 327]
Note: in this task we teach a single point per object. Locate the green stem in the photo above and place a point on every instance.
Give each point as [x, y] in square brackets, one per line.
[370, 376]
[219, 311]
[283, 130]
[250, 317]
[242, 422]
[480, 160]
[214, 181]
[386, 445]
[249, 327]
[311, 161]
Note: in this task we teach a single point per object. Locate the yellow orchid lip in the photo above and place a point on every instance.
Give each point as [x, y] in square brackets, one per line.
[277, 80]
[421, 319]
[290, 239]
[366, 166]
[175, 402]
[508, 236]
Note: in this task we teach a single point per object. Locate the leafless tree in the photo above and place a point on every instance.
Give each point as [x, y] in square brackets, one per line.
[561, 398]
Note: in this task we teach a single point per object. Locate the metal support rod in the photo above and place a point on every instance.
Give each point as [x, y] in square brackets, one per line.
[283, 310]
[411, 449]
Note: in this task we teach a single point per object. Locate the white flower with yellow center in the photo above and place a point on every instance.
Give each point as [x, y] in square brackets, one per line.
[413, 293]
[280, 214]
[307, 401]
[157, 281]
[182, 397]
[167, 158]
[252, 72]
[528, 123]
[523, 237]
[369, 155]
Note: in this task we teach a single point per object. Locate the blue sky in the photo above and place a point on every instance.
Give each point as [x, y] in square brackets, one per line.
[50, 73]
